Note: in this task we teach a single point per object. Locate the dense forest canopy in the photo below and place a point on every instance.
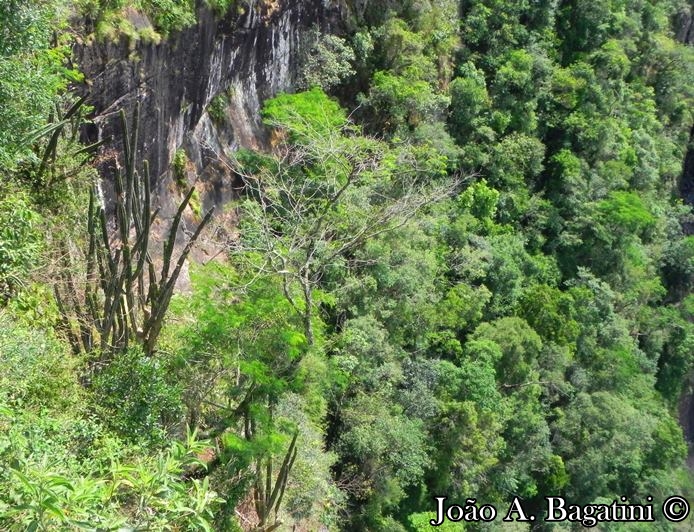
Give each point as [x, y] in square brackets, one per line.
[460, 269]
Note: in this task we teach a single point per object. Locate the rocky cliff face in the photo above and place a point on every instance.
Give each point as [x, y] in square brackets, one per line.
[687, 181]
[684, 32]
[684, 25]
[244, 58]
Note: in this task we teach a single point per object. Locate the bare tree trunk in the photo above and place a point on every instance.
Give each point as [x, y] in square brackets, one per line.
[308, 311]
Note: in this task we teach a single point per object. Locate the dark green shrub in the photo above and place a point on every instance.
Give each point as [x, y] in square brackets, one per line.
[139, 399]
[20, 242]
[35, 371]
[217, 107]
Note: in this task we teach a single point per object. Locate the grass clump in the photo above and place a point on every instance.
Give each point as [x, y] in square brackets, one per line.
[221, 7]
[180, 162]
[218, 107]
[167, 16]
[195, 204]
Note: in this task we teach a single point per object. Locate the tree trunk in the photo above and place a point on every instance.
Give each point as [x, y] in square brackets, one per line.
[308, 311]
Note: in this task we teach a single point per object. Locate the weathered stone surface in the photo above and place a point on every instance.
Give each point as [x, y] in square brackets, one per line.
[684, 32]
[251, 55]
[687, 181]
[684, 25]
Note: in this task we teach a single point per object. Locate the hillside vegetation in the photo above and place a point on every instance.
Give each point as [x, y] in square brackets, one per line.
[461, 271]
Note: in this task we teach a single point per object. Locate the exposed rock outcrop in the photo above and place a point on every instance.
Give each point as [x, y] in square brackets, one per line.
[245, 57]
[684, 25]
[687, 180]
[684, 32]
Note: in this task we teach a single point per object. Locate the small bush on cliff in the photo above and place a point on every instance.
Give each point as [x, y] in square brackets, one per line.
[166, 15]
[218, 107]
[180, 161]
[222, 7]
[171, 15]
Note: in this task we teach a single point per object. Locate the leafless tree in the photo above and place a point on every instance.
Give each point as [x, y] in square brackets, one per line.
[316, 201]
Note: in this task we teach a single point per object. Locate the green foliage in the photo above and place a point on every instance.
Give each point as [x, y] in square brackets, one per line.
[65, 469]
[470, 104]
[179, 164]
[384, 328]
[195, 204]
[34, 306]
[679, 265]
[305, 114]
[147, 494]
[421, 522]
[399, 100]
[217, 109]
[398, 288]
[462, 307]
[520, 346]
[468, 435]
[20, 242]
[668, 336]
[613, 426]
[36, 373]
[311, 495]
[625, 212]
[32, 74]
[550, 312]
[222, 7]
[139, 400]
[390, 448]
[413, 61]
[167, 16]
[327, 61]
[171, 15]
[246, 349]
[482, 202]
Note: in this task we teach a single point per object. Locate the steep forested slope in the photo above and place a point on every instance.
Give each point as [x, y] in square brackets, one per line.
[451, 260]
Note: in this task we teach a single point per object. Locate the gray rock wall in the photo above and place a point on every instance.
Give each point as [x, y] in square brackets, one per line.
[684, 32]
[250, 55]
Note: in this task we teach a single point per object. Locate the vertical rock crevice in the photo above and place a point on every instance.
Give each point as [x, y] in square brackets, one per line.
[247, 56]
[684, 32]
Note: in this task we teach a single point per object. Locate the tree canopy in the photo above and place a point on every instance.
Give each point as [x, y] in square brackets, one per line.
[458, 267]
